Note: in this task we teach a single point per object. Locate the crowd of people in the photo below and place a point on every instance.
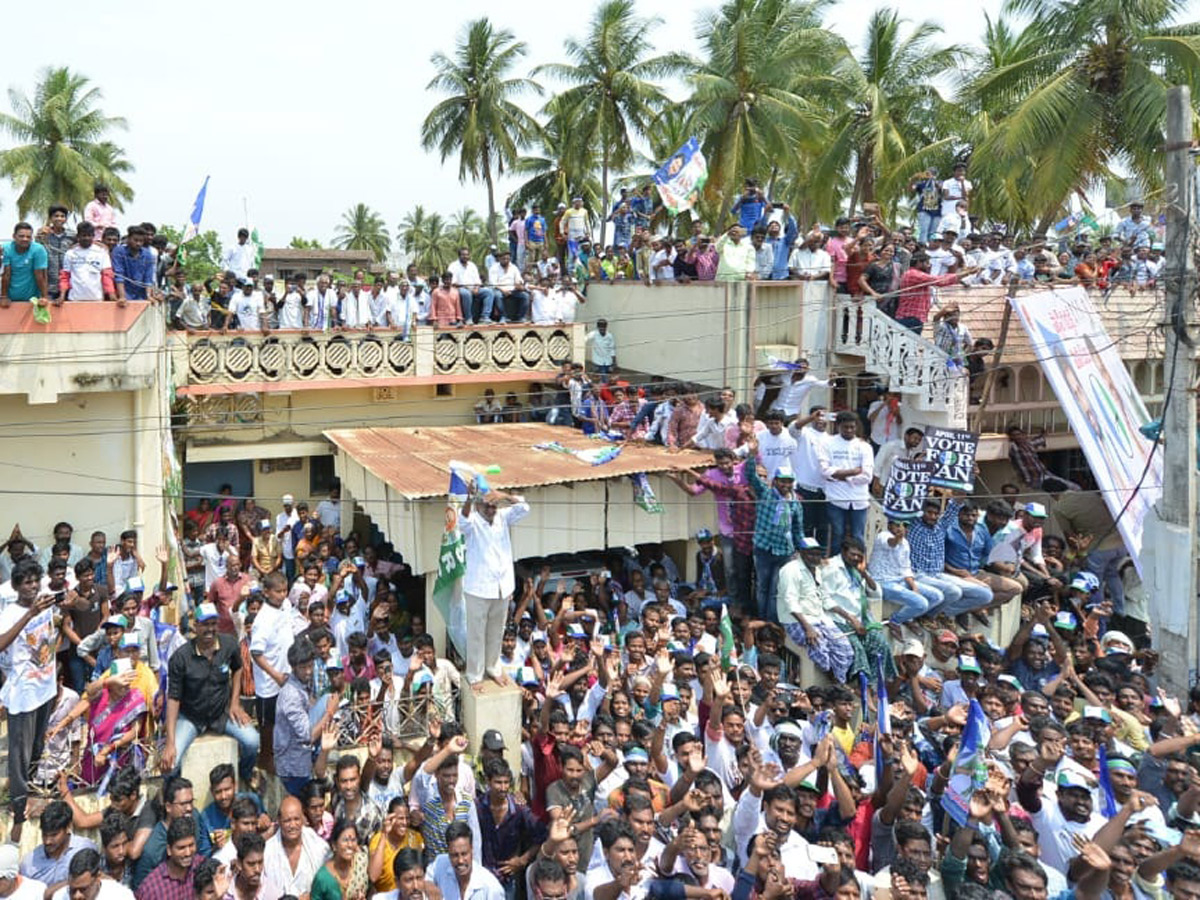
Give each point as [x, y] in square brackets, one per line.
[807, 716]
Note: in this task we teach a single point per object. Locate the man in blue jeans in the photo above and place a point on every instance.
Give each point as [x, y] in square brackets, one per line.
[778, 528]
[203, 697]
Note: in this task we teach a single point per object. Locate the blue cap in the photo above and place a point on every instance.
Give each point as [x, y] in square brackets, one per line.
[704, 535]
[637, 754]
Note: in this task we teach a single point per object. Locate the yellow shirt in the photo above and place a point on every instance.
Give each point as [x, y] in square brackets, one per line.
[387, 878]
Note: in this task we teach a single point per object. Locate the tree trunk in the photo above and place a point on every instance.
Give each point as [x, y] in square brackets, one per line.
[491, 191]
[867, 165]
[856, 191]
[604, 198]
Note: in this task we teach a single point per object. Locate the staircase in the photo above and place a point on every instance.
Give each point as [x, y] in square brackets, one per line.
[912, 365]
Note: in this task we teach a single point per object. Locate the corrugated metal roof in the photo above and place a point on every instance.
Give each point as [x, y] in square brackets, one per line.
[1130, 319]
[415, 461]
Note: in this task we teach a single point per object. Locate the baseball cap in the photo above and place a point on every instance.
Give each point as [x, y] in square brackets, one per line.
[333, 661]
[118, 622]
[288, 498]
[704, 535]
[206, 612]
[492, 740]
[668, 692]
[912, 647]
[785, 473]
[129, 639]
[422, 678]
[537, 637]
[1036, 510]
[1068, 777]
[1039, 631]
[969, 664]
[1116, 642]
[527, 677]
[10, 860]
[947, 637]
[808, 543]
[135, 585]
[575, 630]
[1064, 620]
[1096, 712]
[1011, 681]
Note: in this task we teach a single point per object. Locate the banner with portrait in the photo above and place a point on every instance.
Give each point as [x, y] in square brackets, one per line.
[1082, 364]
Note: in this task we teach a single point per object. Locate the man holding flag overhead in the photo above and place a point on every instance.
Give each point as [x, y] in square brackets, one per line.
[489, 581]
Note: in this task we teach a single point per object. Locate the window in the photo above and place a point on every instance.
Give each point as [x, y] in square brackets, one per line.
[320, 475]
[444, 390]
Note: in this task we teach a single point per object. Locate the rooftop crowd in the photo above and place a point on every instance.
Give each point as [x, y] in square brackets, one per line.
[806, 747]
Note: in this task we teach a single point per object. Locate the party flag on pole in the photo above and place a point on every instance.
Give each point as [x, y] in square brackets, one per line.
[726, 637]
[682, 177]
[192, 228]
[1108, 802]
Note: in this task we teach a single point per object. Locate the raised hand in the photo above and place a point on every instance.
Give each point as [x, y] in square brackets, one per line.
[162, 553]
[1091, 853]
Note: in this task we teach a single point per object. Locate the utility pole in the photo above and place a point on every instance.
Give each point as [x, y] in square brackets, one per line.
[1178, 506]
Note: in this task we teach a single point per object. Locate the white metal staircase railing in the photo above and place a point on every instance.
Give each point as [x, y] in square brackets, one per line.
[912, 364]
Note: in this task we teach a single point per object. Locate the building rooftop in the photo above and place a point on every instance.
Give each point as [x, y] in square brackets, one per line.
[415, 461]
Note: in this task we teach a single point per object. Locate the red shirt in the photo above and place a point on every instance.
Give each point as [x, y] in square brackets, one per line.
[225, 595]
[547, 769]
[443, 307]
[915, 294]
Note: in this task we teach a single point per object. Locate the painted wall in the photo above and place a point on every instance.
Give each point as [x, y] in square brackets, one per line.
[94, 460]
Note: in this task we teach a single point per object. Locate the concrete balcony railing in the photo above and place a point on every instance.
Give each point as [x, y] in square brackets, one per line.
[914, 366]
[252, 361]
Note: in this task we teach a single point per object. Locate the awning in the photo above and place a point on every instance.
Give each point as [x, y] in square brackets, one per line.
[399, 477]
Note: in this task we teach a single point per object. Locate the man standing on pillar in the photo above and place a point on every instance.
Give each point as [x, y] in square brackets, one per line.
[489, 581]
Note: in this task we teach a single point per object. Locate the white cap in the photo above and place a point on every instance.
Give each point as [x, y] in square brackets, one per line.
[10, 860]
[288, 498]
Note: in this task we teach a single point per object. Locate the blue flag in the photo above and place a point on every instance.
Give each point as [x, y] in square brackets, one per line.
[883, 722]
[193, 226]
[970, 766]
[1108, 803]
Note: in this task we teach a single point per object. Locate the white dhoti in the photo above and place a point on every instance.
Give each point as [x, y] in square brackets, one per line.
[485, 632]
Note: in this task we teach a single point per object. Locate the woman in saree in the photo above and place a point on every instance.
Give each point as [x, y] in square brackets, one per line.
[114, 723]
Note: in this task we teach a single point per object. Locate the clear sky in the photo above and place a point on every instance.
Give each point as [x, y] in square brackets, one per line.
[303, 109]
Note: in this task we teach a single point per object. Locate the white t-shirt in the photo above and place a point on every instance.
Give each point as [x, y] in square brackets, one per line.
[775, 450]
[806, 460]
[356, 309]
[506, 279]
[330, 513]
[659, 271]
[248, 310]
[940, 261]
[952, 192]
[85, 266]
[286, 520]
[543, 309]
[214, 563]
[291, 310]
[28, 889]
[565, 304]
[464, 276]
[793, 393]
[271, 635]
[28, 663]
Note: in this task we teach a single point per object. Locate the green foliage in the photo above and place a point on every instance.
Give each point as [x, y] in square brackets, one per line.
[480, 120]
[200, 257]
[61, 149]
[299, 243]
[363, 229]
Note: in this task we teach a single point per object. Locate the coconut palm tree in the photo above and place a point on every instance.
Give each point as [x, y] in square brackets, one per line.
[1094, 94]
[886, 107]
[61, 152]
[747, 95]
[466, 228]
[363, 229]
[560, 168]
[612, 98]
[480, 120]
[426, 241]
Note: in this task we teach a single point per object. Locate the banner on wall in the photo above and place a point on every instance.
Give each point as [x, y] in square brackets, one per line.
[1083, 366]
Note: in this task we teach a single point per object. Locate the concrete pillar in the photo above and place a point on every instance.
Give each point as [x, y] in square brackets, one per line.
[493, 706]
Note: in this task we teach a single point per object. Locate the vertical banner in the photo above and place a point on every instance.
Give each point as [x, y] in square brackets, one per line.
[1104, 407]
[682, 177]
[452, 563]
[970, 766]
[907, 487]
[952, 451]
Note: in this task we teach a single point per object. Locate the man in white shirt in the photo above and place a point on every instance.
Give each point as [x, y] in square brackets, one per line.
[602, 347]
[458, 874]
[249, 309]
[775, 446]
[847, 466]
[239, 259]
[86, 268]
[280, 877]
[566, 299]
[794, 391]
[474, 299]
[509, 288]
[954, 189]
[810, 261]
[321, 302]
[911, 446]
[271, 637]
[885, 418]
[810, 434]
[284, 522]
[329, 511]
[662, 263]
[488, 582]
[404, 307]
[291, 308]
[356, 307]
